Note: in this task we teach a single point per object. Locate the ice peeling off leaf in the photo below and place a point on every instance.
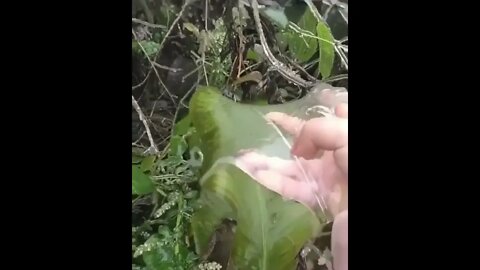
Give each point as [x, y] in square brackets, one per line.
[265, 236]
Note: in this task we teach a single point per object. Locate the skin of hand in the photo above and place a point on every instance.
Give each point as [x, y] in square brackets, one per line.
[321, 145]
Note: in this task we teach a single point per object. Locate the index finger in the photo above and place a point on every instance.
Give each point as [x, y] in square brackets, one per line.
[294, 125]
[327, 133]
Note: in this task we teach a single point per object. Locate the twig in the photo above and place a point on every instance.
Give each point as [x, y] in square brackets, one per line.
[140, 84]
[303, 32]
[135, 20]
[160, 47]
[184, 6]
[181, 103]
[167, 68]
[314, 11]
[277, 65]
[139, 138]
[152, 63]
[152, 147]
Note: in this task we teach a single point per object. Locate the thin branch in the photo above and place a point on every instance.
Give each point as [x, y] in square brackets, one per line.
[167, 68]
[179, 15]
[152, 147]
[154, 68]
[274, 63]
[139, 138]
[135, 20]
[182, 103]
[314, 11]
[140, 84]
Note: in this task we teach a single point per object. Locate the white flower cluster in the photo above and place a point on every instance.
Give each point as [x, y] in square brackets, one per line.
[210, 266]
[145, 248]
[164, 208]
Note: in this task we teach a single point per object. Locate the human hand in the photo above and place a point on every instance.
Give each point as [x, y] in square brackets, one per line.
[321, 145]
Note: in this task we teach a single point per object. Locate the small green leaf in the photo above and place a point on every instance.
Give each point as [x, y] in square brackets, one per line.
[147, 163]
[301, 46]
[178, 146]
[181, 127]
[141, 183]
[326, 49]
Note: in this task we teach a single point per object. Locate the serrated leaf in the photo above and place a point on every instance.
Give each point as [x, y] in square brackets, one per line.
[141, 183]
[326, 49]
[303, 47]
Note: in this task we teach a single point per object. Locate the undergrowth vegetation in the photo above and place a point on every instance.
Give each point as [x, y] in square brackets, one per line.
[192, 61]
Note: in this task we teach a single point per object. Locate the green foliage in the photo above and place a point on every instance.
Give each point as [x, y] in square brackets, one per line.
[266, 237]
[165, 190]
[303, 47]
[309, 36]
[212, 43]
[158, 253]
[161, 241]
[150, 47]
[141, 183]
[326, 48]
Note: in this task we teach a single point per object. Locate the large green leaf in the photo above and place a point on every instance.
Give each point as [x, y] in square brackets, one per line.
[270, 230]
[326, 49]
[303, 47]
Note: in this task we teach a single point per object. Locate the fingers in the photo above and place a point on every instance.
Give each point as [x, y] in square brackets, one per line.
[340, 241]
[286, 187]
[327, 133]
[252, 162]
[341, 159]
[342, 110]
[291, 125]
